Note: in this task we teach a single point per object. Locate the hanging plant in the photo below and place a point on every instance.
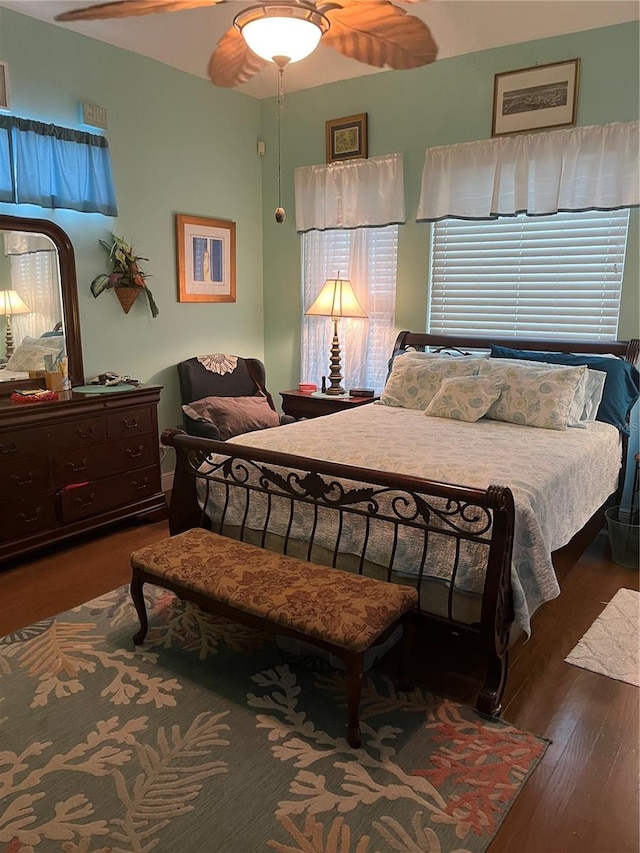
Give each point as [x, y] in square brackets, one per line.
[126, 277]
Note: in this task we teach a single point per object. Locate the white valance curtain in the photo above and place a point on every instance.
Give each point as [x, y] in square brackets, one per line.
[351, 194]
[583, 168]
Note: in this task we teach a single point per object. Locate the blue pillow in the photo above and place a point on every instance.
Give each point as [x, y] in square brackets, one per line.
[621, 387]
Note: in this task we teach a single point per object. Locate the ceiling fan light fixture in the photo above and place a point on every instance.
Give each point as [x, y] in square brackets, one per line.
[283, 31]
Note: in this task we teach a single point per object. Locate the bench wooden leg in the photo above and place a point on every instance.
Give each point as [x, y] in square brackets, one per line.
[353, 664]
[138, 599]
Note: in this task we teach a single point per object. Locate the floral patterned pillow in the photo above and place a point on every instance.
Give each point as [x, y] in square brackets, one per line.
[464, 398]
[532, 396]
[414, 382]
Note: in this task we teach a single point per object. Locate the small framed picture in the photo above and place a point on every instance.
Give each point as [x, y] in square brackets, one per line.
[4, 86]
[537, 98]
[206, 259]
[346, 138]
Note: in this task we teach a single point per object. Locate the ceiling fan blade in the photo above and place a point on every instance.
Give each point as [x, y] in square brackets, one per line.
[378, 33]
[232, 61]
[130, 8]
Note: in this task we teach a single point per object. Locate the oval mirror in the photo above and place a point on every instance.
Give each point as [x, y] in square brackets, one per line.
[38, 303]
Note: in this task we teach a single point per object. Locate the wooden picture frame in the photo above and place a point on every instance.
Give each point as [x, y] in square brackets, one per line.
[536, 98]
[347, 138]
[206, 259]
[5, 102]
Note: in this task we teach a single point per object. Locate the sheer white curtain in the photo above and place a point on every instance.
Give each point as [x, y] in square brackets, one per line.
[368, 258]
[348, 214]
[584, 168]
[35, 276]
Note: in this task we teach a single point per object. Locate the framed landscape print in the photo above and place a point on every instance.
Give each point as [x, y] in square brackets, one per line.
[347, 138]
[537, 98]
[206, 259]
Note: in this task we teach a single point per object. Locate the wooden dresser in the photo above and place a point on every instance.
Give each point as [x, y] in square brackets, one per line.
[77, 464]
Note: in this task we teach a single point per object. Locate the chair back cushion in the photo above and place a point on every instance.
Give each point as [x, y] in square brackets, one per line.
[197, 382]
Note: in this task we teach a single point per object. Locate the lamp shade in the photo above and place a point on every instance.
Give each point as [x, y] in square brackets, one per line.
[336, 299]
[11, 303]
[281, 32]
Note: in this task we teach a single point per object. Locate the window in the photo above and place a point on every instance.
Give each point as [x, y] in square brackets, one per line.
[368, 257]
[556, 276]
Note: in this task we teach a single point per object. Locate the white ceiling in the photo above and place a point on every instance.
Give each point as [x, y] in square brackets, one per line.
[185, 40]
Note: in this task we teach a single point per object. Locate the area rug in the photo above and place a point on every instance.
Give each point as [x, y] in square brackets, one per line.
[610, 646]
[209, 739]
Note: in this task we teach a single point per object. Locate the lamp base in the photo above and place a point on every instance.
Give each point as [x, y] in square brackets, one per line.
[335, 376]
[8, 338]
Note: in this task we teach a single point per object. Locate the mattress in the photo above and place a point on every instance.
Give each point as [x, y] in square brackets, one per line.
[559, 478]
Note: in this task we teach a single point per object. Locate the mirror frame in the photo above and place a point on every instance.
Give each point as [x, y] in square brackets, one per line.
[69, 293]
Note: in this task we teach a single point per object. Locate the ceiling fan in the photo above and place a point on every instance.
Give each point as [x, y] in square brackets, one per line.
[375, 32]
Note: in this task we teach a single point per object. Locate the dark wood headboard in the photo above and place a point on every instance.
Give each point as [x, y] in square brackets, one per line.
[629, 350]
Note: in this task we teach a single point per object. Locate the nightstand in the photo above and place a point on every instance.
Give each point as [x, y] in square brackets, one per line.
[300, 405]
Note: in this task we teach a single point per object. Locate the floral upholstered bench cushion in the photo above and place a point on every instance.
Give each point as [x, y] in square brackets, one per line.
[338, 607]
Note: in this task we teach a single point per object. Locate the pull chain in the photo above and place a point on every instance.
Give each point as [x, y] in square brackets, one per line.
[280, 212]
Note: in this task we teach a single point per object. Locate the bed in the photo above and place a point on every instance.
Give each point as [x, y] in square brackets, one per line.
[469, 512]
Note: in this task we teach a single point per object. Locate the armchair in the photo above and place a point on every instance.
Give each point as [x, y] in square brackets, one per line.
[225, 395]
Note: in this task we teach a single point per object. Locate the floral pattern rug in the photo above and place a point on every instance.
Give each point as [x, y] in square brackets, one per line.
[208, 738]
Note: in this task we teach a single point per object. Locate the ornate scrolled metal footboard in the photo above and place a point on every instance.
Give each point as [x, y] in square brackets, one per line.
[452, 543]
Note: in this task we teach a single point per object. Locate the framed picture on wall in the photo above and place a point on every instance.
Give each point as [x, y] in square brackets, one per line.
[206, 259]
[4, 86]
[537, 98]
[347, 138]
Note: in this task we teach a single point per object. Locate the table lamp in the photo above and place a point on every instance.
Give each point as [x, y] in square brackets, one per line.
[10, 304]
[335, 300]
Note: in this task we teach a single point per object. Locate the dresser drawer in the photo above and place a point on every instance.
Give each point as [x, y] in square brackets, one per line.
[24, 478]
[103, 460]
[79, 433]
[26, 442]
[129, 422]
[23, 518]
[92, 498]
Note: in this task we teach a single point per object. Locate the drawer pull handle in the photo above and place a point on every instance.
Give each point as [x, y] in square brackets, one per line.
[80, 466]
[33, 518]
[23, 480]
[85, 502]
[134, 454]
[139, 486]
[85, 433]
[134, 424]
[13, 448]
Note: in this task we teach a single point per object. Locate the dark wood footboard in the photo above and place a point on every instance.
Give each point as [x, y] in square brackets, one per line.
[409, 530]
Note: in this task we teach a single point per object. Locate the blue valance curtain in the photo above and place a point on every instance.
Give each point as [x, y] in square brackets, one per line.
[55, 167]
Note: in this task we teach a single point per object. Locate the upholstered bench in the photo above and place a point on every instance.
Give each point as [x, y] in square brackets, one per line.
[344, 613]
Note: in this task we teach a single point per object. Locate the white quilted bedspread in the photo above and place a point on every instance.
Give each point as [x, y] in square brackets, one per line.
[558, 478]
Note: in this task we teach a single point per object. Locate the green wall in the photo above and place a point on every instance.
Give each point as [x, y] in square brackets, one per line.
[178, 145]
[446, 102]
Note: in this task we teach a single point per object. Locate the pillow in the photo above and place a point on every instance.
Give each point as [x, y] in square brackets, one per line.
[410, 353]
[51, 334]
[531, 396]
[233, 415]
[621, 388]
[463, 398]
[413, 382]
[29, 355]
[581, 409]
[593, 395]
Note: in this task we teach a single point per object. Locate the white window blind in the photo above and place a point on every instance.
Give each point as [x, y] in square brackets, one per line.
[557, 276]
[368, 258]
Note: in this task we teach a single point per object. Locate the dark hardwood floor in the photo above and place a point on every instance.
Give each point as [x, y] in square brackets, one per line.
[582, 798]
